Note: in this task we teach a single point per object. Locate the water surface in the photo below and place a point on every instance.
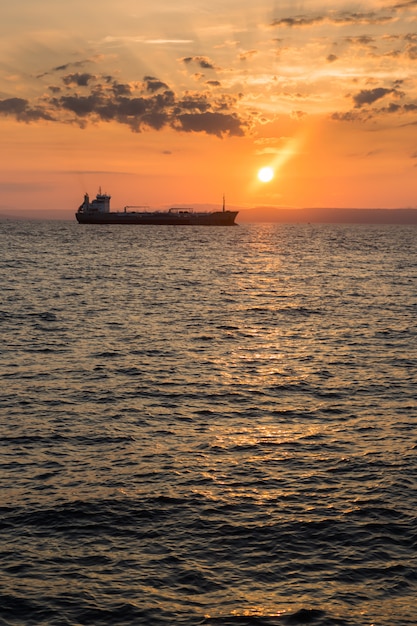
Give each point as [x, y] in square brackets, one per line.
[208, 425]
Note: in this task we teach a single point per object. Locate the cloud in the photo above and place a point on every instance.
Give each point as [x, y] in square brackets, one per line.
[13, 106]
[204, 62]
[340, 18]
[298, 115]
[213, 123]
[360, 40]
[331, 58]
[349, 116]
[67, 66]
[81, 80]
[409, 4]
[153, 84]
[369, 18]
[300, 20]
[411, 52]
[21, 110]
[392, 108]
[162, 42]
[369, 96]
[244, 56]
[123, 89]
[149, 104]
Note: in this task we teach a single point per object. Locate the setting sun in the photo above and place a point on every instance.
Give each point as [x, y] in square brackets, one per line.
[266, 174]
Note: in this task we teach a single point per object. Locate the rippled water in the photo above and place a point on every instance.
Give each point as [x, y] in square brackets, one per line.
[208, 425]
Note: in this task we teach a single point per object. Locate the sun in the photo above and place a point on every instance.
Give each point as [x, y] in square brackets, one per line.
[265, 174]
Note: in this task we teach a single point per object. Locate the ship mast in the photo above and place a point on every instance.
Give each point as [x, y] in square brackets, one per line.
[224, 203]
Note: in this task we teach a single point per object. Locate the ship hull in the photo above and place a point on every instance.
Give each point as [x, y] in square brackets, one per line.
[216, 218]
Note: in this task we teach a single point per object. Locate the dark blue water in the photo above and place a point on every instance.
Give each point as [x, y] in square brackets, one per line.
[208, 426]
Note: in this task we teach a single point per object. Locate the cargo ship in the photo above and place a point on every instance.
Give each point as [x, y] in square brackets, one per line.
[98, 212]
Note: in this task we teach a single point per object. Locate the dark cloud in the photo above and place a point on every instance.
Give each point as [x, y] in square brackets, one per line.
[331, 58]
[411, 52]
[393, 108]
[361, 18]
[80, 105]
[13, 106]
[149, 104]
[20, 109]
[204, 62]
[192, 103]
[66, 66]
[363, 115]
[81, 80]
[405, 45]
[348, 116]
[360, 40]
[121, 89]
[213, 123]
[356, 115]
[339, 18]
[369, 96]
[153, 84]
[409, 4]
[300, 20]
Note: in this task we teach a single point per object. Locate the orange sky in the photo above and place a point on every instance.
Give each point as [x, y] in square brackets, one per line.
[161, 104]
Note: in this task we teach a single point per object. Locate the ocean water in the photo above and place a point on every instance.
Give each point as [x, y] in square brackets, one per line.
[208, 426]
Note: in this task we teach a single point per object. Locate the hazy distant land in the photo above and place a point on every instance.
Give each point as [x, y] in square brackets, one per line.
[265, 214]
[330, 216]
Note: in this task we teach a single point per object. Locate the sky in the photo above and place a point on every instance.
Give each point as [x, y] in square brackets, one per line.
[177, 103]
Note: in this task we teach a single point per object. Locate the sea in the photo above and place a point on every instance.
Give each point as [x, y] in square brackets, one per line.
[208, 426]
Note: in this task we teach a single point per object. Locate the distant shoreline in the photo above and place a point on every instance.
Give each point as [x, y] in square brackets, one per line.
[274, 215]
[328, 216]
